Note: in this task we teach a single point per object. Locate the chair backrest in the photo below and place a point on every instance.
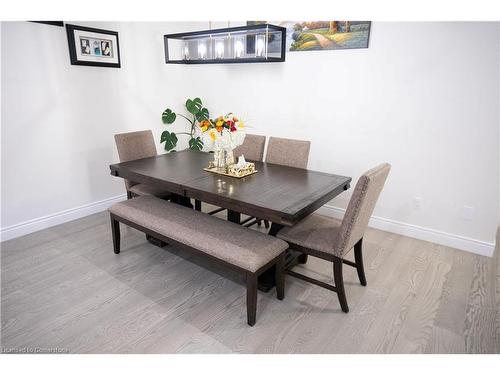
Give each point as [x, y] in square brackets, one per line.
[289, 152]
[360, 208]
[135, 145]
[252, 148]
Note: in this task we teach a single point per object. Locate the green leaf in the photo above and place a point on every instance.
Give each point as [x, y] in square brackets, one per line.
[168, 116]
[193, 106]
[195, 144]
[170, 140]
[202, 115]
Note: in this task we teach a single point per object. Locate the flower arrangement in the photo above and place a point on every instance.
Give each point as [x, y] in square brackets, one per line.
[224, 133]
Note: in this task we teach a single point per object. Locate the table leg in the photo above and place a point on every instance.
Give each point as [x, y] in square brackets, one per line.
[183, 201]
[233, 216]
[197, 205]
[267, 280]
[302, 258]
[275, 228]
[155, 241]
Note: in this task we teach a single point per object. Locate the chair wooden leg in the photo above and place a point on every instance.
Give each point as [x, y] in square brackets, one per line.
[258, 222]
[339, 284]
[115, 232]
[358, 258]
[280, 277]
[251, 298]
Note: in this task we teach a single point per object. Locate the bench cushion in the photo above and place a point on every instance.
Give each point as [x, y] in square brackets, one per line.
[230, 242]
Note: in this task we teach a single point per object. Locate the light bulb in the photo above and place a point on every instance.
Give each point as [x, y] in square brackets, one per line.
[259, 47]
[202, 50]
[238, 48]
[219, 50]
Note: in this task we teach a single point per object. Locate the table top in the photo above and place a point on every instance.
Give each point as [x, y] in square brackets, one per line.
[277, 193]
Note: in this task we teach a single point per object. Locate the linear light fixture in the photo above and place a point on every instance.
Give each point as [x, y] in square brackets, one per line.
[242, 44]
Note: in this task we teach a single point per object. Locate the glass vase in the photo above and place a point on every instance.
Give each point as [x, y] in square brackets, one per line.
[229, 158]
[223, 159]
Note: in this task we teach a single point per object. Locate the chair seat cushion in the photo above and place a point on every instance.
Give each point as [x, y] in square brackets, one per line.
[143, 189]
[315, 232]
[224, 240]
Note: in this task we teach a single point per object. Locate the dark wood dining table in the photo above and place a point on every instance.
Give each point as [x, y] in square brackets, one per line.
[280, 194]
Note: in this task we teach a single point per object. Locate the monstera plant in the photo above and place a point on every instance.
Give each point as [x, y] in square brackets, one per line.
[197, 113]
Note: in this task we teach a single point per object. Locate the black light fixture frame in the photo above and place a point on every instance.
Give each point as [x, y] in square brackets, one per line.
[187, 35]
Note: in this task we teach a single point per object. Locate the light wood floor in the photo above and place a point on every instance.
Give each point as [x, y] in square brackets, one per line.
[65, 288]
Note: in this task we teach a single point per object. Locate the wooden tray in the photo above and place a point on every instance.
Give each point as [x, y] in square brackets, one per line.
[215, 170]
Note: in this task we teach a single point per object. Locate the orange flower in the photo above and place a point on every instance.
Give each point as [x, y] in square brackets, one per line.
[204, 125]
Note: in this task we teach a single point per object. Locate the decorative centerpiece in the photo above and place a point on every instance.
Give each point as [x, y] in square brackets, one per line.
[242, 168]
[222, 136]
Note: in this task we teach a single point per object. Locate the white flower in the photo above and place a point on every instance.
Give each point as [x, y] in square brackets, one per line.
[225, 140]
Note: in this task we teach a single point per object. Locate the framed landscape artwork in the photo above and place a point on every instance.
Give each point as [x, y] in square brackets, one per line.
[93, 47]
[324, 35]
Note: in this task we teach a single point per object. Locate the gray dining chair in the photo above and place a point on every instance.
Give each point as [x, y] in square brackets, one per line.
[138, 145]
[253, 150]
[331, 239]
[288, 152]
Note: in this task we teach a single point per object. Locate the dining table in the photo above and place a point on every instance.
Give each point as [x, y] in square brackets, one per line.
[280, 194]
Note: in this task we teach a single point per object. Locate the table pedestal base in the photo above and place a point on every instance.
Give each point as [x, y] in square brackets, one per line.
[155, 241]
[267, 280]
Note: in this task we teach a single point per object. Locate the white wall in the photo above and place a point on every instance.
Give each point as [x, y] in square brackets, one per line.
[58, 120]
[424, 97]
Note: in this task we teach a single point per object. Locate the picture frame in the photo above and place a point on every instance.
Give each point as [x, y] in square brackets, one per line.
[93, 47]
[324, 35]
[51, 23]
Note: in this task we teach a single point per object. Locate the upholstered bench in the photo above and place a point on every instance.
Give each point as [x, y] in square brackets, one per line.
[245, 250]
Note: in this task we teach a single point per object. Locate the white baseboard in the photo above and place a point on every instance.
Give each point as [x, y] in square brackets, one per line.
[48, 221]
[405, 229]
[421, 233]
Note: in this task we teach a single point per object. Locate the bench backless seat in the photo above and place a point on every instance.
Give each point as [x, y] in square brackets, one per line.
[243, 249]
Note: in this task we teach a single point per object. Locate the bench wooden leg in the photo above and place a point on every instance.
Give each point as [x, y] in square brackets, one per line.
[280, 277]
[251, 298]
[115, 232]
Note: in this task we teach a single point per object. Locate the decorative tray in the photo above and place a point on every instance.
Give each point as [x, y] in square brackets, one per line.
[233, 171]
